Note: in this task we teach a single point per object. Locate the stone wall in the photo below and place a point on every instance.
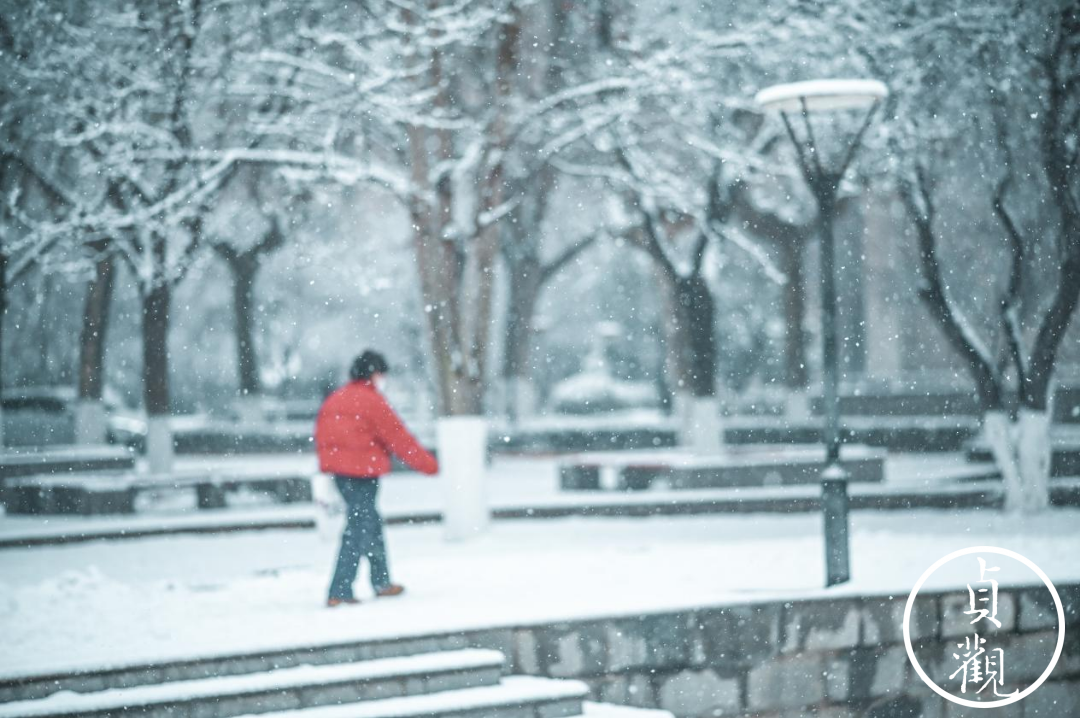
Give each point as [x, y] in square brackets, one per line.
[831, 657]
[837, 657]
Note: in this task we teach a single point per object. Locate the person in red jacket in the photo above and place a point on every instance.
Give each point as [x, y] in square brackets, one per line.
[356, 433]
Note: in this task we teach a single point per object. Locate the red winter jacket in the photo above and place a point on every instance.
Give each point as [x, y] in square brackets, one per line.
[357, 431]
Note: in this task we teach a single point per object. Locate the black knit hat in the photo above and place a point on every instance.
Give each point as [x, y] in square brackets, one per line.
[367, 364]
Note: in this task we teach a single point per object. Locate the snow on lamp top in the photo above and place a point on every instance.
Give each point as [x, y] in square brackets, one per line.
[822, 95]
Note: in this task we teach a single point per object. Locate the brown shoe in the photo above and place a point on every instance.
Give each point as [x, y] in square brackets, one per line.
[335, 602]
[393, 589]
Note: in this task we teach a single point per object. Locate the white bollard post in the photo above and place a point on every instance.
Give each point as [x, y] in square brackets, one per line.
[702, 426]
[159, 444]
[462, 447]
[524, 397]
[249, 409]
[798, 405]
[90, 420]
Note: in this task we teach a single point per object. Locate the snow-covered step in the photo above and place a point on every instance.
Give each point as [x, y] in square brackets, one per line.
[610, 710]
[21, 686]
[287, 688]
[515, 697]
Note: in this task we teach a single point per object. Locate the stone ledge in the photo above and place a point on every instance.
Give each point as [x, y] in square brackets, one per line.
[766, 657]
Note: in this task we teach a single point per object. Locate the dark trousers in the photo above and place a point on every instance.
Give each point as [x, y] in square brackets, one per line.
[363, 536]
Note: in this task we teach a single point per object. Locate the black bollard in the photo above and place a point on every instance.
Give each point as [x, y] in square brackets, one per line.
[835, 506]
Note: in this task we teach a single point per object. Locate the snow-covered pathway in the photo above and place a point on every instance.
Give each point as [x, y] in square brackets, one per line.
[146, 599]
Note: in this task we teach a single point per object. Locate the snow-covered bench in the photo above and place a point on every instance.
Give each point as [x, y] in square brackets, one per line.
[737, 467]
[231, 438]
[916, 434]
[116, 492]
[64, 459]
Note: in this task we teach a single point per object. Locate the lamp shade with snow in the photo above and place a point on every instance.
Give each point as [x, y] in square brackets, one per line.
[819, 95]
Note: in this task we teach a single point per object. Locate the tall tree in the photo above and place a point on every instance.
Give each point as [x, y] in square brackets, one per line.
[667, 227]
[124, 93]
[531, 259]
[459, 133]
[244, 265]
[1028, 92]
[529, 272]
[262, 213]
[172, 194]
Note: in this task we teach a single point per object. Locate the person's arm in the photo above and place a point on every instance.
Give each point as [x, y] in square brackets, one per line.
[398, 440]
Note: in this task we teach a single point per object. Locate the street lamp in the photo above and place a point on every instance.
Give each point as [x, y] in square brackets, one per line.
[824, 183]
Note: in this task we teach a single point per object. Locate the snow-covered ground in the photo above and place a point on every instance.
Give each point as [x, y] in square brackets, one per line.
[147, 599]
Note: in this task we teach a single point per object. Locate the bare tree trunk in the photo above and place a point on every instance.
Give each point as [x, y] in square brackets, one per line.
[95, 326]
[519, 328]
[432, 266]
[440, 261]
[3, 321]
[525, 286]
[155, 316]
[692, 334]
[693, 308]
[1035, 390]
[244, 269]
[156, 304]
[476, 319]
[672, 336]
[9, 44]
[247, 365]
[457, 274]
[180, 27]
[561, 51]
[90, 420]
[696, 312]
[528, 278]
[692, 352]
[1033, 441]
[957, 329]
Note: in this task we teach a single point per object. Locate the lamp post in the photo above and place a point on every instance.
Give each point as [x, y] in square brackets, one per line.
[824, 183]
